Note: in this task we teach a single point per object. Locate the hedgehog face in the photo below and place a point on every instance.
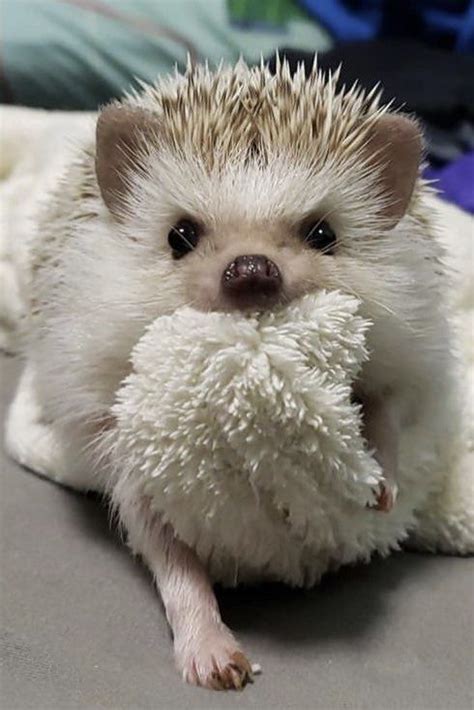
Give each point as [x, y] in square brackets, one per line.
[255, 235]
[244, 262]
[246, 243]
[251, 190]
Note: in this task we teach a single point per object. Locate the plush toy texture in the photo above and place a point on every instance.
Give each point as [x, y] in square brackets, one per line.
[241, 431]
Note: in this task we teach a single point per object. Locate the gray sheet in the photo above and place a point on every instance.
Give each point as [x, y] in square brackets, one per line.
[82, 626]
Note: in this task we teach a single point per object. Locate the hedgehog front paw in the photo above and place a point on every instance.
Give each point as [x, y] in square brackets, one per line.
[212, 659]
[385, 497]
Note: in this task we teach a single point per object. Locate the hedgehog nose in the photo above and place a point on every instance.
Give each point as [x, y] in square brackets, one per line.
[251, 280]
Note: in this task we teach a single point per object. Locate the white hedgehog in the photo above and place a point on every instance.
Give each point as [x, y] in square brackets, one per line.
[204, 200]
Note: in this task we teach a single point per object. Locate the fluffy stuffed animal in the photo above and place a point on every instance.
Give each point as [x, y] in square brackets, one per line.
[227, 440]
[244, 438]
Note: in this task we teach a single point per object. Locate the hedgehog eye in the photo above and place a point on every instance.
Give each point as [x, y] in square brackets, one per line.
[319, 235]
[183, 237]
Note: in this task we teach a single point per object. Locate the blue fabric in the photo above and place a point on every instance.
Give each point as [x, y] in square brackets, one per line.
[450, 22]
[344, 21]
[455, 181]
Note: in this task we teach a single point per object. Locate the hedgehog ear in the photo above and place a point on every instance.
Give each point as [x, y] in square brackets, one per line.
[123, 136]
[395, 148]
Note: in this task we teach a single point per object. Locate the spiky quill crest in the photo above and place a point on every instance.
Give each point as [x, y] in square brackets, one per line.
[218, 120]
[220, 114]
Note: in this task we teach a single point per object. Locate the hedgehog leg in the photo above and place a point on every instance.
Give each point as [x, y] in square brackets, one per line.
[446, 523]
[206, 652]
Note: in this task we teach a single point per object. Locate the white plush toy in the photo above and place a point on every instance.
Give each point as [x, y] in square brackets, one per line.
[241, 431]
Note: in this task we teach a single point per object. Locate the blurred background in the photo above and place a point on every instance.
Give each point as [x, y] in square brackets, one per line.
[78, 54]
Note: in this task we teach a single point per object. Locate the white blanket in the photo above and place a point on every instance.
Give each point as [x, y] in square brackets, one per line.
[34, 147]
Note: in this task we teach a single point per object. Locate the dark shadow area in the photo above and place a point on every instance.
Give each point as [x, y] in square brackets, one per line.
[346, 604]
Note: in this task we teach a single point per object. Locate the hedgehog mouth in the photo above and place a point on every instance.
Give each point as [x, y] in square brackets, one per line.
[254, 302]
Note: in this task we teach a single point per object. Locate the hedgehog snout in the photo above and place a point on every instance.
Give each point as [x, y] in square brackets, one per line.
[251, 280]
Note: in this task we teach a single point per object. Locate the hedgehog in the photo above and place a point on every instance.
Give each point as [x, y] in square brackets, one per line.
[236, 191]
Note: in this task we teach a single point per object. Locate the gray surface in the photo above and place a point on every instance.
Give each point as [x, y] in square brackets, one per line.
[82, 626]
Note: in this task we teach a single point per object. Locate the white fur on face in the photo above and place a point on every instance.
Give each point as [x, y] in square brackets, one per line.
[251, 206]
[248, 208]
